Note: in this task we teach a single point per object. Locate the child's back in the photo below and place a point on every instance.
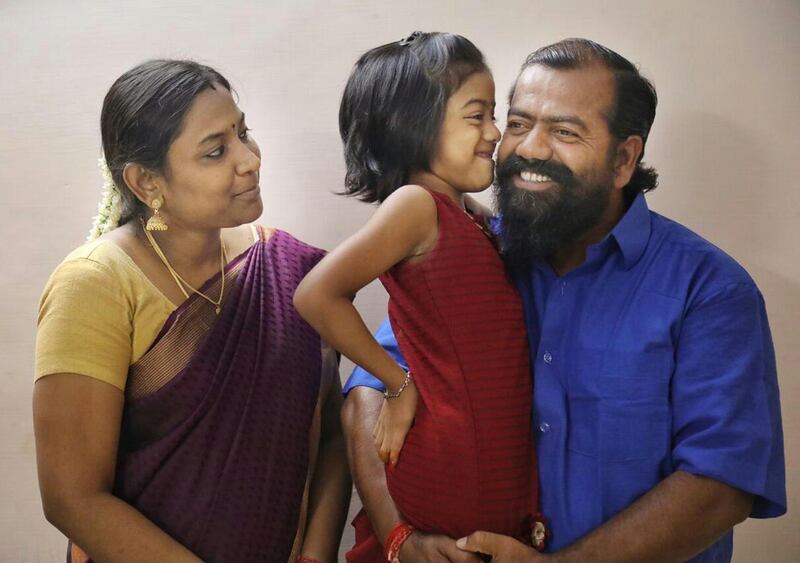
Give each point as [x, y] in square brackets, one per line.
[467, 463]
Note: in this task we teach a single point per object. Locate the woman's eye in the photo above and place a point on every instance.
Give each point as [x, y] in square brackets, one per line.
[217, 153]
[478, 116]
[244, 133]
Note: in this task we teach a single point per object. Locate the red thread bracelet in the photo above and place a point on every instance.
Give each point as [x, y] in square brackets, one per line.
[397, 537]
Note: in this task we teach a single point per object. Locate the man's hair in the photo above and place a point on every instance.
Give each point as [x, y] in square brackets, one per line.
[393, 107]
[635, 100]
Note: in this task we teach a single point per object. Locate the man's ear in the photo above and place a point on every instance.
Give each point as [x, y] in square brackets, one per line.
[142, 182]
[626, 159]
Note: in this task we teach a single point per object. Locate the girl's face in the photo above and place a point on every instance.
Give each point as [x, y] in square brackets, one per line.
[212, 167]
[465, 146]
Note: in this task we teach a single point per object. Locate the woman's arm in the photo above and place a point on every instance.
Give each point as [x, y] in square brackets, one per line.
[76, 422]
[329, 496]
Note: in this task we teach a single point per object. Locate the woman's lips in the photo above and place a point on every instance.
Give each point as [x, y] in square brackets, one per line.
[254, 191]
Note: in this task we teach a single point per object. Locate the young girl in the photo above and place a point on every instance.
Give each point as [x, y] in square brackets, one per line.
[417, 121]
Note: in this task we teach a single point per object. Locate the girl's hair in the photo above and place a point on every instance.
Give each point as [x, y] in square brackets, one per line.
[143, 113]
[393, 107]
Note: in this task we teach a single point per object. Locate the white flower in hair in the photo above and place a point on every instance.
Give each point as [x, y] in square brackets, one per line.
[109, 208]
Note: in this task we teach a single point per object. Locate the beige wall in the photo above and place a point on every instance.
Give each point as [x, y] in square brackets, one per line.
[725, 141]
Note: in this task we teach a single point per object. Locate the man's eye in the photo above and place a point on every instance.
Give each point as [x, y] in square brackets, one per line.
[564, 133]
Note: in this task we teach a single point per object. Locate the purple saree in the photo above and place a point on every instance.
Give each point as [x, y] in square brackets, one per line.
[214, 445]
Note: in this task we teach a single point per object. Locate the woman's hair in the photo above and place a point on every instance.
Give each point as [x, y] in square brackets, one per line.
[143, 113]
[393, 107]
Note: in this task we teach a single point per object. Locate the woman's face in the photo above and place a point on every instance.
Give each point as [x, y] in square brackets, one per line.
[466, 142]
[211, 175]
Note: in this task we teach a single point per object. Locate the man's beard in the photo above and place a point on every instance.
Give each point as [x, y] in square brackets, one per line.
[536, 224]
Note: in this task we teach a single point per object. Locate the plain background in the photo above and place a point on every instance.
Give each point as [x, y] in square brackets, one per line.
[725, 143]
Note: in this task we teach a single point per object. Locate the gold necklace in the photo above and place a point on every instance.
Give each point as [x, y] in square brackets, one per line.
[483, 229]
[223, 259]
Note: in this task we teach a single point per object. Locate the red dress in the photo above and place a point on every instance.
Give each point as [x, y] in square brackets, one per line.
[468, 462]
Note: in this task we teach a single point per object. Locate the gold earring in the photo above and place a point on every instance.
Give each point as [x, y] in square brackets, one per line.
[156, 222]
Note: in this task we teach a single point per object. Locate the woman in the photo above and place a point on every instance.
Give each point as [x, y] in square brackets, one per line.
[182, 408]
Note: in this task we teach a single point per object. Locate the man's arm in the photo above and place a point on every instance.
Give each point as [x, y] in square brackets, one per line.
[359, 414]
[727, 440]
[677, 519]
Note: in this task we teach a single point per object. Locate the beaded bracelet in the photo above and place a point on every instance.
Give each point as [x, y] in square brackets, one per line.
[406, 381]
[397, 537]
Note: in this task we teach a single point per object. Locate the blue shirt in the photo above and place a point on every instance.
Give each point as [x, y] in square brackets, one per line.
[653, 356]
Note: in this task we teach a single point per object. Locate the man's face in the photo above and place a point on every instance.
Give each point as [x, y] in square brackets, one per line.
[555, 174]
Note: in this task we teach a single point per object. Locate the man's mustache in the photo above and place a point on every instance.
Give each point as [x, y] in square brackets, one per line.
[515, 164]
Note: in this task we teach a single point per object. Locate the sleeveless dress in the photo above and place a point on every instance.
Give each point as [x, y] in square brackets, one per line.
[469, 461]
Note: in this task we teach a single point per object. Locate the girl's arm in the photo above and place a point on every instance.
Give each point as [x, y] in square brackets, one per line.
[329, 494]
[76, 421]
[405, 225]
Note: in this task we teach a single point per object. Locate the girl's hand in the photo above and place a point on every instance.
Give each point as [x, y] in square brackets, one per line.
[394, 422]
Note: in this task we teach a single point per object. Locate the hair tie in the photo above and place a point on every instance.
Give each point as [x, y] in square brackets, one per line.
[411, 38]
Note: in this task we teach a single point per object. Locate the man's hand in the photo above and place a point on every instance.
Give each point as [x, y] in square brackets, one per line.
[433, 548]
[503, 549]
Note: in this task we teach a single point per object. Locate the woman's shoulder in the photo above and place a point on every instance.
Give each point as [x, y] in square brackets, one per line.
[99, 256]
[100, 268]
[290, 248]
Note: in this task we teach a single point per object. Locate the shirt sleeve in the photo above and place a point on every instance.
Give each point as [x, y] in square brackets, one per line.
[84, 324]
[360, 377]
[726, 407]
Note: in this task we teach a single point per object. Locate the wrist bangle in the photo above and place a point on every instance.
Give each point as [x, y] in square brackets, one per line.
[406, 381]
[397, 537]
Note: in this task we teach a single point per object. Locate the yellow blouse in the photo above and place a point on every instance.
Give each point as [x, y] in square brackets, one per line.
[98, 315]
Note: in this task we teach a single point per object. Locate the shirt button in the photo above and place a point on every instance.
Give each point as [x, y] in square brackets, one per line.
[544, 427]
[548, 358]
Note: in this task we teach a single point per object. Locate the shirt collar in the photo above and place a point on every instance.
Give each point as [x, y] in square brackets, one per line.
[633, 231]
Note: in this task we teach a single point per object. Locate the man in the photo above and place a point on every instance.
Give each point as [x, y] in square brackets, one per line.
[656, 401]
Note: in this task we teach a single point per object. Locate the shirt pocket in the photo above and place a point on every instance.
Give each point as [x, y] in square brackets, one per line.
[620, 411]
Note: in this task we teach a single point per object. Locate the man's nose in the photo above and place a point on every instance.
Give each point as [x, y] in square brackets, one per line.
[535, 145]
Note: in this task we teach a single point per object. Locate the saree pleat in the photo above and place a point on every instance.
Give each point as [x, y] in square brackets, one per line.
[214, 444]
